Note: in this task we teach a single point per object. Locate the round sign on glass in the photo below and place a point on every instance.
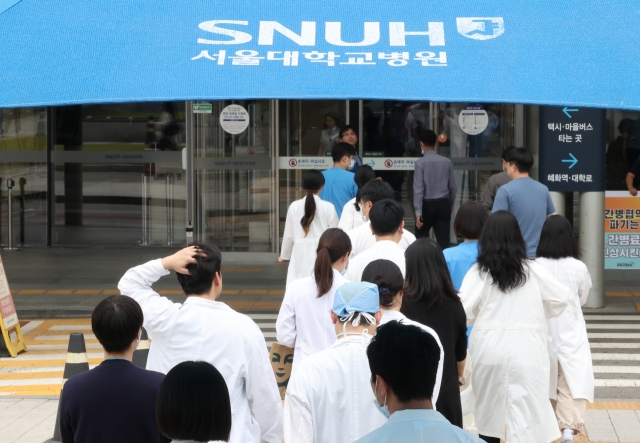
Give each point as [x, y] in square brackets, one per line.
[234, 119]
[473, 120]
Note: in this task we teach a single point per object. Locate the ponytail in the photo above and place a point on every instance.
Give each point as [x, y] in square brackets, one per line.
[309, 212]
[332, 246]
[312, 182]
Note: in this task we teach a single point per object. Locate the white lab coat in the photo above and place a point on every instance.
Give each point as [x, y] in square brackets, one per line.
[569, 343]
[211, 331]
[329, 397]
[508, 347]
[389, 315]
[362, 238]
[304, 322]
[350, 218]
[384, 249]
[303, 257]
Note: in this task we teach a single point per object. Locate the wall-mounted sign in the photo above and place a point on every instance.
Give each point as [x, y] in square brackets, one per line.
[202, 108]
[234, 119]
[473, 120]
[572, 149]
[621, 230]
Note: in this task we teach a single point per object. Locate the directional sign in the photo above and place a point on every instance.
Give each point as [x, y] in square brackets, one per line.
[572, 149]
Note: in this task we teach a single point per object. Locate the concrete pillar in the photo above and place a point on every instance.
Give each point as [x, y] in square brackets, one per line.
[532, 121]
[558, 199]
[69, 134]
[592, 243]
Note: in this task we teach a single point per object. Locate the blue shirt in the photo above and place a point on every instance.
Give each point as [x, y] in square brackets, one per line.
[460, 259]
[530, 202]
[418, 426]
[339, 188]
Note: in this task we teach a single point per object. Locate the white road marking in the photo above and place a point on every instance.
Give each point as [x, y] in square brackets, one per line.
[588, 317]
[31, 326]
[615, 345]
[619, 357]
[616, 369]
[32, 381]
[617, 383]
[613, 335]
[62, 357]
[61, 337]
[70, 328]
[613, 326]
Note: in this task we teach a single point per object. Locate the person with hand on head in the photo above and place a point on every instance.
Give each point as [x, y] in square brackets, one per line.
[572, 380]
[387, 225]
[348, 134]
[307, 219]
[387, 276]
[429, 298]
[116, 400]
[362, 237]
[403, 359]
[303, 323]
[193, 404]
[495, 181]
[351, 214]
[339, 186]
[204, 329]
[508, 299]
[527, 199]
[329, 398]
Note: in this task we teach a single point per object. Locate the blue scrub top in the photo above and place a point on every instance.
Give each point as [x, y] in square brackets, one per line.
[339, 188]
[459, 261]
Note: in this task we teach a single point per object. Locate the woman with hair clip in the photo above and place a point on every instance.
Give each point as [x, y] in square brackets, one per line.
[303, 322]
[572, 381]
[352, 216]
[307, 219]
[429, 298]
[508, 300]
[388, 277]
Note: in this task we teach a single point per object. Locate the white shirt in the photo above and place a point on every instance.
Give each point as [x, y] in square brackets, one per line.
[569, 342]
[304, 322]
[211, 331]
[508, 348]
[350, 218]
[324, 218]
[362, 238]
[384, 249]
[389, 315]
[329, 398]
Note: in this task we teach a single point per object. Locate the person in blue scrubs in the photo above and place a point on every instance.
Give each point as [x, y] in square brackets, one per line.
[404, 360]
[339, 186]
[468, 225]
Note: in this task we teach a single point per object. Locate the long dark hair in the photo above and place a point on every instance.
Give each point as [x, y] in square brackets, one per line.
[427, 277]
[503, 252]
[557, 240]
[334, 243]
[388, 277]
[312, 181]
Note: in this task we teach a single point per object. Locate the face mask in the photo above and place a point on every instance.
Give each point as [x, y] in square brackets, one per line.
[364, 217]
[353, 163]
[384, 409]
[344, 272]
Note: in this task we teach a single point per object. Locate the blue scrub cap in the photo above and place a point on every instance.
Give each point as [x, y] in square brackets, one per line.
[356, 297]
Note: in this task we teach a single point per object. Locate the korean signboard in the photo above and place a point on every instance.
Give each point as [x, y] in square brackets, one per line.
[9, 325]
[621, 231]
[572, 149]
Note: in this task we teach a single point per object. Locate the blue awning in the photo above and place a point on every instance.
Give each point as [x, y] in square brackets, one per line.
[584, 53]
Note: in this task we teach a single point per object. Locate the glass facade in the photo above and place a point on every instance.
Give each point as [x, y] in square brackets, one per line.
[623, 146]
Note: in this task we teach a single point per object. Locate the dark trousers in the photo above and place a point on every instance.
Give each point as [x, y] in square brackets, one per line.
[436, 214]
[489, 439]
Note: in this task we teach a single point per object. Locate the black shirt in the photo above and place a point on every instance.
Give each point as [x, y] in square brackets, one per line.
[114, 402]
[450, 323]
[635, 170]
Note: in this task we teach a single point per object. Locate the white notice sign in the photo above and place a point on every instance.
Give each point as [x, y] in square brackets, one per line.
[473, 120]
[234, 119]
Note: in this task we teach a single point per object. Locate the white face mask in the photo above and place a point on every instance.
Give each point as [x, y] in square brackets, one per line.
[353, 163]
[384, 409]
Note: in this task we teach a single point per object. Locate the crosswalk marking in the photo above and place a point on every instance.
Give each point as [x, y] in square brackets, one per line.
[616, 369]
[612, 335]
[610, 326]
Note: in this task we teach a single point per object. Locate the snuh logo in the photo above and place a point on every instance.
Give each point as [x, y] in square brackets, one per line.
[480, 28]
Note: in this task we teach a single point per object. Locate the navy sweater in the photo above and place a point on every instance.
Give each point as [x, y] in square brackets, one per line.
[114, 402]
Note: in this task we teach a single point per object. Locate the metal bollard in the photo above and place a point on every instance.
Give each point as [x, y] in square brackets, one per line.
[169, 204]
[10, 185]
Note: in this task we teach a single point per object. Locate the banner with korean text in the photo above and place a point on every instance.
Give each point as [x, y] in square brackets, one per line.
[621, 230]
[9, 324]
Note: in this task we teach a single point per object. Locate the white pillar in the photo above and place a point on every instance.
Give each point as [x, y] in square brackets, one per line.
[592, 243]
[558, 199]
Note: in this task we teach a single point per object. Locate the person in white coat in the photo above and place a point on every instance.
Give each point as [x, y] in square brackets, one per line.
[387, 276]
[307, 219]
[508, 300]
[572, 381]
[203, 329]
[387, 227]
[362, 237]
[303, 323]
[329, 397]
[352, 216]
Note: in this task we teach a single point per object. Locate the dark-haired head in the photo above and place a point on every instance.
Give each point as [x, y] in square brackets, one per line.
[363, 175]
[333, 116]
[388, 277]
[347, 128]
[406, 358]
[334, 248]
[193, 403]
[427, 138]
[557, 240]
[624, 125]
[505, 153]
[386, 217]
[373, 192]
[201, 275]
[342, 150]
[427, 277]
[312, 182]
[116, 322]
[521, 158]
[503, 251]
[470, 220]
